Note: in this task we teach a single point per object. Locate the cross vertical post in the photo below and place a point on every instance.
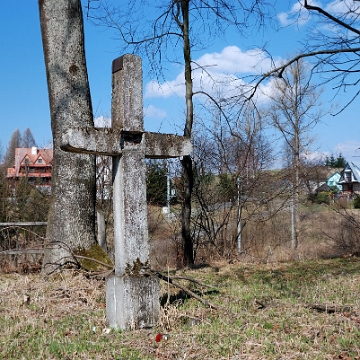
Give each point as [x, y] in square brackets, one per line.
[129, 169]
[132, 298]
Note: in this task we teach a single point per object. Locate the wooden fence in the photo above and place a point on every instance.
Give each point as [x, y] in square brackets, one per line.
[17, 253]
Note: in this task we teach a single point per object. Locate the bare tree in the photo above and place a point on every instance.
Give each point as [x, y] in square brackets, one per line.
[103, 174]
[229, 191]
[72, 214]
[331, 44]
[184, 24]
[294, 111]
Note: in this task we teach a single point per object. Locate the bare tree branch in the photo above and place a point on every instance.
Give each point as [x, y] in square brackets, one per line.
[330, 17]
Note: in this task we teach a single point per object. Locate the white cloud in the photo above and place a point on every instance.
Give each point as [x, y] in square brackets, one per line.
[350, 150]
[232, 60]
[315, 156]
[169, 88]
[215, 73]
[102, 121]
[296, 15]
[152, 111]
[299, 15]
[284, 18]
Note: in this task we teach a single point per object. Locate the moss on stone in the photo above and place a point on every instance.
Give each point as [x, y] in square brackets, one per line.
[96, 253]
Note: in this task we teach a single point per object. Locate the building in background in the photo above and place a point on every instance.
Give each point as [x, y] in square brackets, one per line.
[34, 164]
[350, 179]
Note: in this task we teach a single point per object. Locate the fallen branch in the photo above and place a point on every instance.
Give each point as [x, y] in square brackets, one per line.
[159, 275]
[261, 304]
[100, 275]
[61, 265]
[330, 309]
[186, 290]
[75, 257]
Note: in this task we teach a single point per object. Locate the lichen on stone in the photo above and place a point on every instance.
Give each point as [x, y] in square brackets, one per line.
[138, 268]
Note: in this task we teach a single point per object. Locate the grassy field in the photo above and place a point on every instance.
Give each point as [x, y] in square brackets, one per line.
[264, 312]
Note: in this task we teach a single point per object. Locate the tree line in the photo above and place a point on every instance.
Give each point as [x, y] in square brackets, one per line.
[17, 140]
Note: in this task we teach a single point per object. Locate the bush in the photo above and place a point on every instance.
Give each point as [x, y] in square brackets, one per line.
[357, 202]
[156, 183]
[323, 197]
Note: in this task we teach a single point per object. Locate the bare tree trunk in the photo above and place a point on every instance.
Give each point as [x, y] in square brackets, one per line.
[186, 210]
[72, 213]
[294, 113]
[296, 191]
[186, 162]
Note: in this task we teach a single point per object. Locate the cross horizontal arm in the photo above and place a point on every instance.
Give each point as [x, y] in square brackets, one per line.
[114, 142]
[163, 146]
[92, 141]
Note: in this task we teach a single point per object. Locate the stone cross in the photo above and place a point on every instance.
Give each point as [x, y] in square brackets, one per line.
[132, 294]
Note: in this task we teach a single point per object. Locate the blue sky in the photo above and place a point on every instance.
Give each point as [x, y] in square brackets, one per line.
[23, 88]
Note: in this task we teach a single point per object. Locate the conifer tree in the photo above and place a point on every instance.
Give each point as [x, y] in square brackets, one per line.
[15, 142]
[27, 140]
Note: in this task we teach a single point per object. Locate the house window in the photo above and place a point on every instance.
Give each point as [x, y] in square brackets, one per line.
[347, 176]
[39, 161]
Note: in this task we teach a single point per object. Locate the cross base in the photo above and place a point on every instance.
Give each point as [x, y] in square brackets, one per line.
[132, 302]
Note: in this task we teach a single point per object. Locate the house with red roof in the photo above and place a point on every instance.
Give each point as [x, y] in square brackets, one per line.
[35, 164]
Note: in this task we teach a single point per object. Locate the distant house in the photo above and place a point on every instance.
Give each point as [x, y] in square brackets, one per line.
[331, 182]
[34, 164]
[350, 179]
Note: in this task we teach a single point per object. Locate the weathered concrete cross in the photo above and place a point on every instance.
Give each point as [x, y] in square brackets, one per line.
[132, 294]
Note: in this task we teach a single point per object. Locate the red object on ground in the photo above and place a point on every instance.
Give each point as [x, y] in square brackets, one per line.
[158, 337]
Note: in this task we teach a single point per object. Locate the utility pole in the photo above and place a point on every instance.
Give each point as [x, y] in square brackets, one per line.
[168, 190]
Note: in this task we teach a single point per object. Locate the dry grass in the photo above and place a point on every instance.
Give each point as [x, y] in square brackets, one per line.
[263, 314]
[58, 317]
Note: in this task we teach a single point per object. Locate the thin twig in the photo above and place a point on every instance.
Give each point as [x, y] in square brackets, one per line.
[193, 280]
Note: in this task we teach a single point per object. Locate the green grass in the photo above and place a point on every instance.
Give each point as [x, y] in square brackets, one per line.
[263, 314]
[70, 337]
